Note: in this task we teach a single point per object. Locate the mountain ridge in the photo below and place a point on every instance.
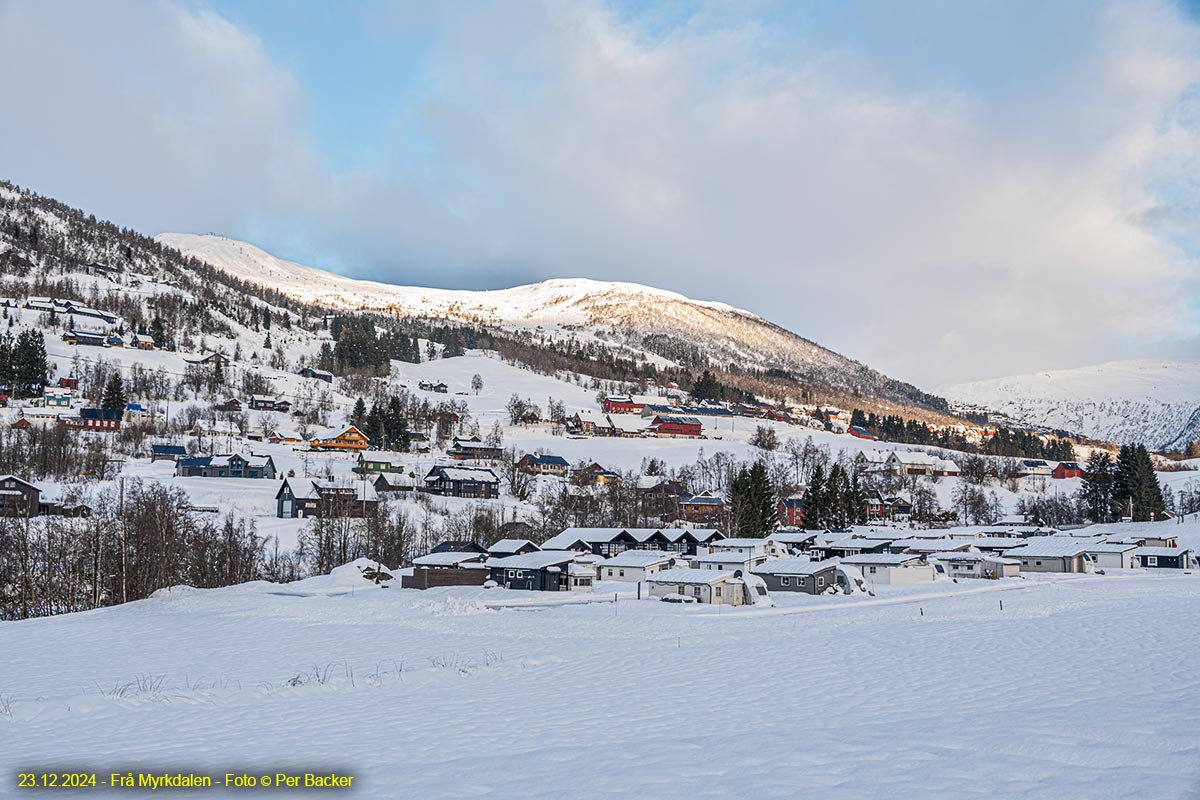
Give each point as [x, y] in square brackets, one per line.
[1150, 401]
[661, 323]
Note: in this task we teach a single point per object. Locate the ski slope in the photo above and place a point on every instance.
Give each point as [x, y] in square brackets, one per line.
[1078, 689]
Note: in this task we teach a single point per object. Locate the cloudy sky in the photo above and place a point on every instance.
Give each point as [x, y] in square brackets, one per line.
[944, 189]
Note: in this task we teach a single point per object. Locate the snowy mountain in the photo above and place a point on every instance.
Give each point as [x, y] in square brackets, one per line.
[659, 324]
[1155, 402]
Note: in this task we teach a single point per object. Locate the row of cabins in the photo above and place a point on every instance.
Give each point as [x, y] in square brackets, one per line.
[661, 425]
[69, 308]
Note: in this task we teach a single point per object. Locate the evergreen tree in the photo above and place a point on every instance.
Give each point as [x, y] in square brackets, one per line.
[29, 363]
[754, 500]
[359, 415]
[1097, 492]
[815, 507]
[114, 398]
[1136, 489]
[706, 387]
[158, 332]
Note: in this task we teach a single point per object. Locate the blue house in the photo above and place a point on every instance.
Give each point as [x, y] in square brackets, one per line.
[230, 465]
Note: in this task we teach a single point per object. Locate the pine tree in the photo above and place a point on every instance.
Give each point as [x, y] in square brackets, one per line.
[158, 332]
[1097, 491]
[29, 363]
[114, 398]
[815, 508]
[359, 415]
[706, 387]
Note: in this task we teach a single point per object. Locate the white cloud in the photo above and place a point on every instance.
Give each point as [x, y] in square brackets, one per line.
[938, 236]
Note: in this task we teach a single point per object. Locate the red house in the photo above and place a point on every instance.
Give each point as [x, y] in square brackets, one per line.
[1067, 469]
[676, 426]
[621, 404]
[862, 433]
[791, 511]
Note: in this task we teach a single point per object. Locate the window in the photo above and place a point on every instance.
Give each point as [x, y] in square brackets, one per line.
[511, 574]
[785, 581]
[1037, 563]
[696, 591]
[820, 582]
[872, 570]
[683, 590]
[718, 591]
[622, 573]
[1151, 561]
[801, 581]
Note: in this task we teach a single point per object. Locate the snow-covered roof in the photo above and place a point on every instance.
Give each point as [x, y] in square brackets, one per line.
[739, 542]
[935, 545]
[690, 575]
[852, 543]
[476, 474]
[539, 559]
[1051, 547]
[1169, 552]
[972, 557]
[792, 537]
[886, 559]
[637, 558]
[793, 566]
[446, 559]
[723, 557]
[509, 545]
[914, 458]
[996, 542]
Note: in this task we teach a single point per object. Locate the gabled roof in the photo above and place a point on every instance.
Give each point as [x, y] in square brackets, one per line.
[502, 546]
[464, 474]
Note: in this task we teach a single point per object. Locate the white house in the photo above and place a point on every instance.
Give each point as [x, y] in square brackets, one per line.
[891, 568]
[725, 560]
[975, 565]
[747, 546]
[635, 566]
[1112, 555]
[699, 586]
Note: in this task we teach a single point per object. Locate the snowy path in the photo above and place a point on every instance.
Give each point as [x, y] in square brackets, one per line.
[1080, 688]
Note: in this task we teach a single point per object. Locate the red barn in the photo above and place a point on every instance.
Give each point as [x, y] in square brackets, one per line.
[791, 511]
[620, 404]
[676, 426]
[1067, 469]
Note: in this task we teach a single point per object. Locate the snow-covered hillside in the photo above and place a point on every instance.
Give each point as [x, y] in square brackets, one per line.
[624, 312]
[1153, 402]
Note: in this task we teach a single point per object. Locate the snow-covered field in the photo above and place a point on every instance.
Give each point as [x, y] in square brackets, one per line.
[1081, 687]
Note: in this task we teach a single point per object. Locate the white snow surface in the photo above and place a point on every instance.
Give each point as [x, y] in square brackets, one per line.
[1154, 402]
[1078, 688]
